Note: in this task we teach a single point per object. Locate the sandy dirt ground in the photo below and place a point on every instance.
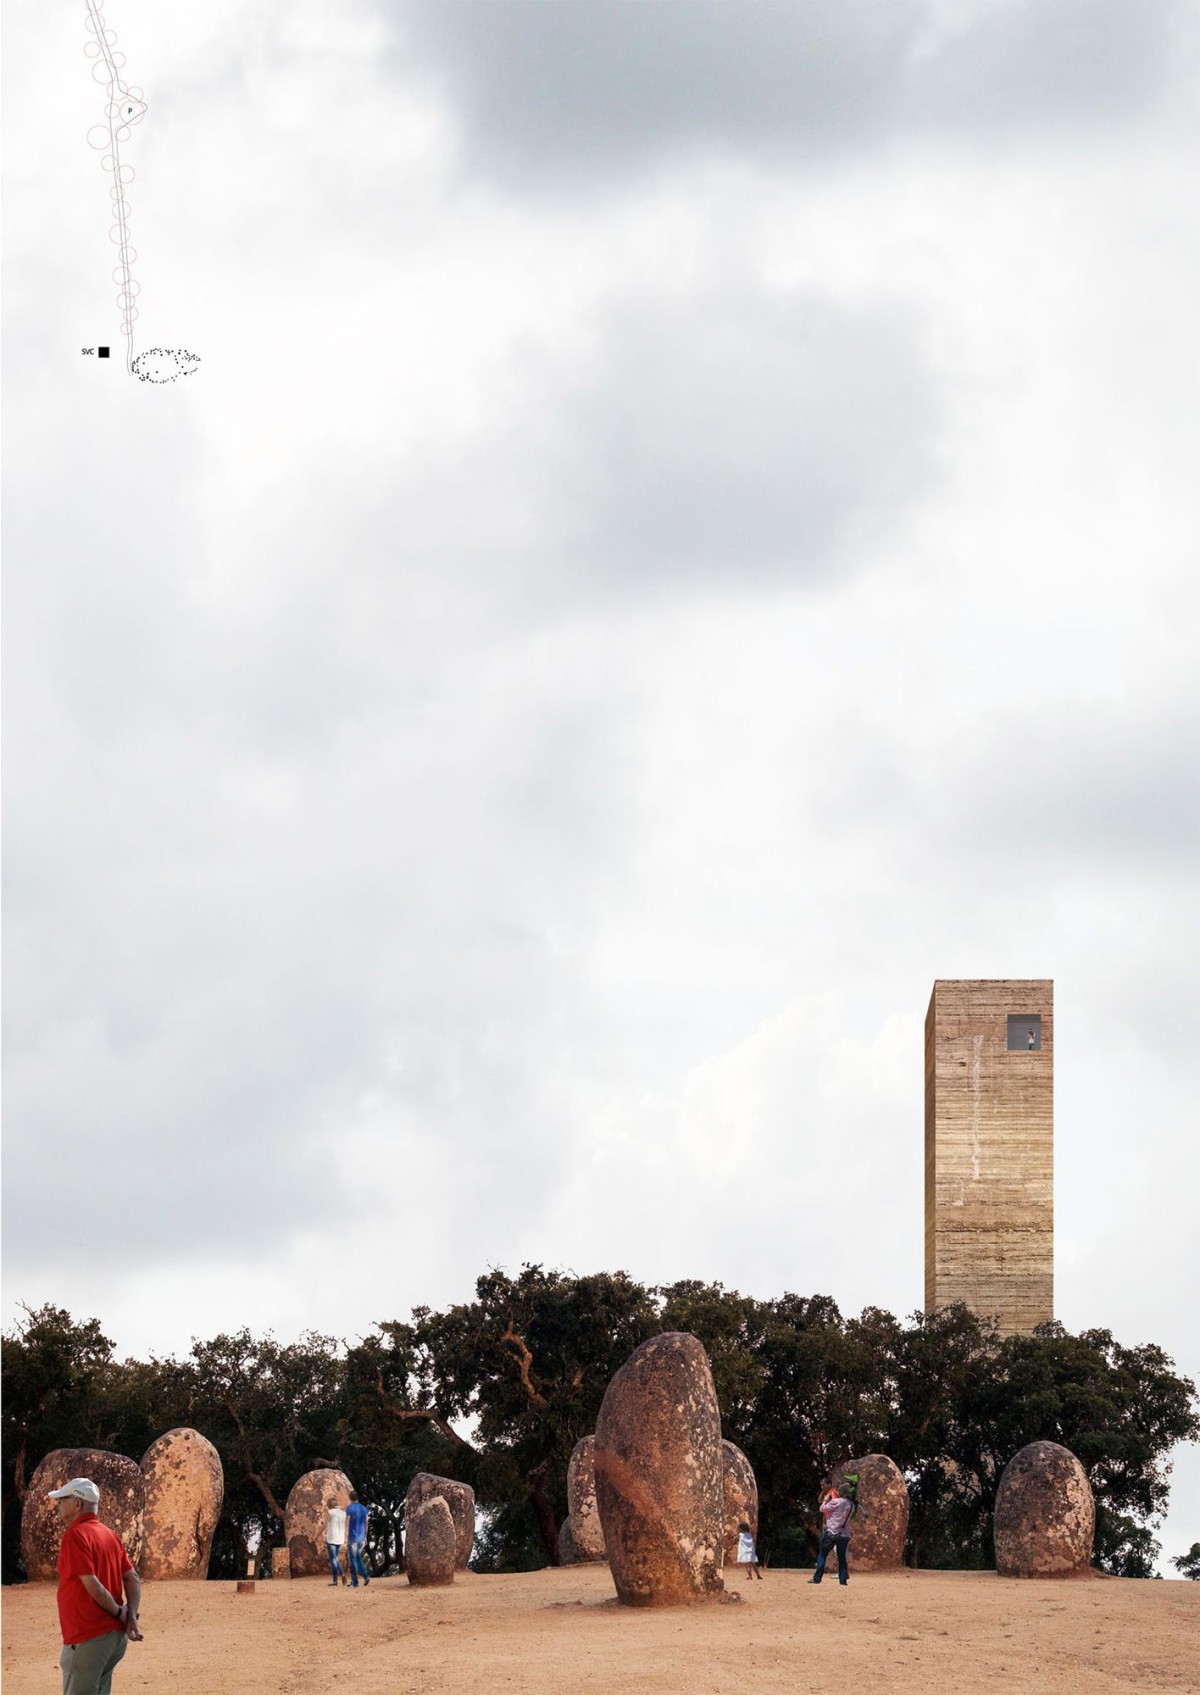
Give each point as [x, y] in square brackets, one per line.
[920, 1633]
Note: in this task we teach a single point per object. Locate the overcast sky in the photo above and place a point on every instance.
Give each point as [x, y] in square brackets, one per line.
[683, 533]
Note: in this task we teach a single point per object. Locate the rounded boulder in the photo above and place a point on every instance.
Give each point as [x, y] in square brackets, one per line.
[459, 1498]
[430, 1542]
[122, 1505]
[566, 1545]
[741, 1498]
[305, 1515]
[1045, 1514]
[659, 1475]
[587, 1534]
[879, 1527]
[185, 1487]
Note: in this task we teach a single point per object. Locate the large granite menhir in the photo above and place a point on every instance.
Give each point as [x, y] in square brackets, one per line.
[1045, 1514]
[305, 1515]
[122, 1505]
[741, 1498]
[185, 1487]
[430, 1542]
[879, 1527]
[459, 1497]
[659, 1475]
[587, 1534]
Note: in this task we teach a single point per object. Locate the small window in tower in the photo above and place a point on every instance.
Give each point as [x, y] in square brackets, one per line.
[1024, 1032]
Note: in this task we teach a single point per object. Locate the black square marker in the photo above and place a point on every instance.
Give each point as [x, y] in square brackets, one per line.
[102, 353]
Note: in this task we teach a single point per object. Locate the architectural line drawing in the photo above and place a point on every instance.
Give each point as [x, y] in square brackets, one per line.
[125, 106]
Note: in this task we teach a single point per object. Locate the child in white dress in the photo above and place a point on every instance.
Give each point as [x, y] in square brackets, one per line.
[746, 1555]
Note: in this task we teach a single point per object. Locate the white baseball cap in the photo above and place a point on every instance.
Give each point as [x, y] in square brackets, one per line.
[81, 1486]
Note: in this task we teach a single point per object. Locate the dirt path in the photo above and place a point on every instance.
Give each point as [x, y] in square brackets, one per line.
[552, 1632]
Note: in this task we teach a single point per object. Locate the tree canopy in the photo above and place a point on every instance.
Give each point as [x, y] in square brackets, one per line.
[498, 1390]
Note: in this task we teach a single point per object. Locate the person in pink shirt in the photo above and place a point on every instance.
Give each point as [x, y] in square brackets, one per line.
[835, 1514]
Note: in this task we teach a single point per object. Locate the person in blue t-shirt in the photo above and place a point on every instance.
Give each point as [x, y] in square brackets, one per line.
[356, 1537]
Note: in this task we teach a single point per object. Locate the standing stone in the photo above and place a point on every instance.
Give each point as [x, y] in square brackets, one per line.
[878, 1528]
[281, 1563]
[587, 1535]
[459, 1497]
[305, 1515]
[658, 1475]
[430, 1542]
[1045, 1514]
[185, 1487]
[122, 1505]
[566, 1545]
[741, 1498]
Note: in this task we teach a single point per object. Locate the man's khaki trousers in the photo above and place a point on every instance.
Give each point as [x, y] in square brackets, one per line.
[88, 1667]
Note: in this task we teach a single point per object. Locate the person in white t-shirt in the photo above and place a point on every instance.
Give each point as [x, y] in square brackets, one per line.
[335, 1535]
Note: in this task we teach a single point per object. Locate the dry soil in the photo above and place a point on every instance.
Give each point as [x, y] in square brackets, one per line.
[904, 1633]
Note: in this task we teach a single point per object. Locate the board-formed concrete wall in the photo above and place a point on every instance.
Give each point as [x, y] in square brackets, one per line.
[989, 1151]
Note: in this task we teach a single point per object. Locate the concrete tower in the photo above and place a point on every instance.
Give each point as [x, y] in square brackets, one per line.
[989, 1149]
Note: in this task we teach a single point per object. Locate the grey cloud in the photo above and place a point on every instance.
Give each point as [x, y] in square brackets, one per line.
[217, 1030]
[1020, 65]
[230, 931]
[741, 441]
[1074, 832]
[549, 91]
[1080, 791]
[694, 440]
[553, 86]
[1093, 789]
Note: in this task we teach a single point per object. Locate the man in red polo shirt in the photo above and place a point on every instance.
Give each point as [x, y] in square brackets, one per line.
[93, 1572]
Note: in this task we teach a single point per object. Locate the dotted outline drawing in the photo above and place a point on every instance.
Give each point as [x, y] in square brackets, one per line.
[124, 107]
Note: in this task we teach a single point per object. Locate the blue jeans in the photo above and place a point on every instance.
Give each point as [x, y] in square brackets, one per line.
[358, 1566]
[841, 1543]
[334, 1550]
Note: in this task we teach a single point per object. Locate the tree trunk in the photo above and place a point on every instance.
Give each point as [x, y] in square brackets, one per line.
[264, 1490]
[535, 1483]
